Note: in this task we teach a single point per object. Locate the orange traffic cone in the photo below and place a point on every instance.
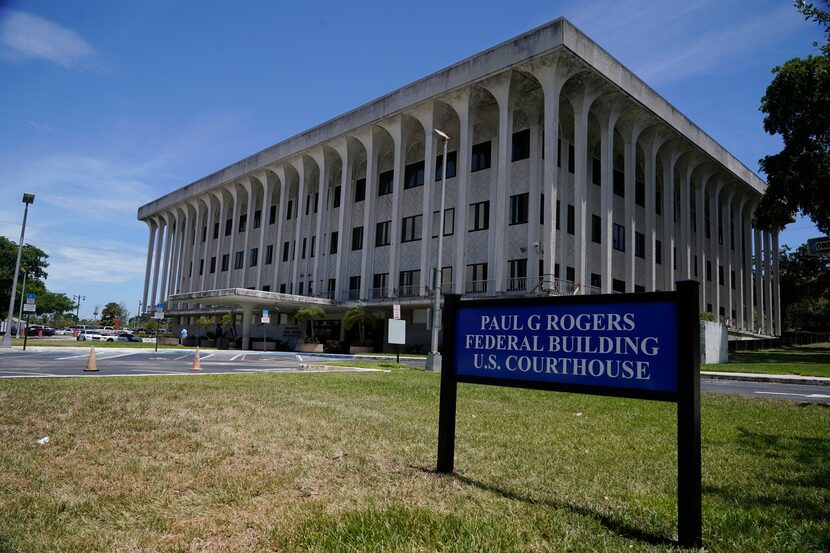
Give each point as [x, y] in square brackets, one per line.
[90, 363]
[197, 365]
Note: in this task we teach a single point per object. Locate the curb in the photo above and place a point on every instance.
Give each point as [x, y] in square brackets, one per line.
[775, 378]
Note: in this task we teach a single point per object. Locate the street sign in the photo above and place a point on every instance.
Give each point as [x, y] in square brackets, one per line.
[29, 307]
[30, 298]
[819, 246]
[265, 319]
[158, 315]
[396, 311]
[264, 312]
[159, 306]
[396, 331]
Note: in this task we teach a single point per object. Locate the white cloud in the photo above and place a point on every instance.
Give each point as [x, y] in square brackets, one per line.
[28, 36]
[79, 266]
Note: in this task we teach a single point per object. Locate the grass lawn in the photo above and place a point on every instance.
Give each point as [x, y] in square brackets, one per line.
[344, 462]
[810, 360]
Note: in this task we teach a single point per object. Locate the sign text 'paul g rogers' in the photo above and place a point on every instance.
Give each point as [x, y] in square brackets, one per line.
[618, 345]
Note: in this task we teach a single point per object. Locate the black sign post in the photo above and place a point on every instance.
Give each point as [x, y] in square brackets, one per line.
[671, 374]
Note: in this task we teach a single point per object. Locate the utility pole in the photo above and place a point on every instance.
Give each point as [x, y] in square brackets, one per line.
[7, 337]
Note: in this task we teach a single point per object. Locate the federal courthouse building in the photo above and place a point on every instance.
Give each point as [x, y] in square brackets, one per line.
[565, 174]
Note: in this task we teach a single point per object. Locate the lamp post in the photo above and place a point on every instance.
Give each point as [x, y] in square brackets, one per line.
[7, 337]
[434, 357]
[20, 307]
[78, 307]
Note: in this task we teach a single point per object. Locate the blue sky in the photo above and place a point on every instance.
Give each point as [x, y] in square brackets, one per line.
[107, 105]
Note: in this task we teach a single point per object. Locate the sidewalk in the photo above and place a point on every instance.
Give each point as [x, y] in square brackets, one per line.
[779, 378]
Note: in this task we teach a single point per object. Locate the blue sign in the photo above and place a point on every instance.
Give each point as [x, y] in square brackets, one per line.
[30, 298]
[159, 306]
[264, 312]
[629, 345]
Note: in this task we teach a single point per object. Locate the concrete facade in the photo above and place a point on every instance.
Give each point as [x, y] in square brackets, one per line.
[568, 174]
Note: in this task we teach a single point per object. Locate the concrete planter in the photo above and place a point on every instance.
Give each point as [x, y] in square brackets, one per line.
[168, 341]
[714, 347]
[361, 349]
[256, 345]
[310, 348]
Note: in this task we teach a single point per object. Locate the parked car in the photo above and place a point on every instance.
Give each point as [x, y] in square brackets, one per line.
[126, 337]
[38, 330]
[89, 334]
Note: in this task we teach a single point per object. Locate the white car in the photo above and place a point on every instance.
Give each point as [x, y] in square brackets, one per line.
[89, 334]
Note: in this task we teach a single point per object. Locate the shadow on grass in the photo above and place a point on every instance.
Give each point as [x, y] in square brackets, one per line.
[614, 524]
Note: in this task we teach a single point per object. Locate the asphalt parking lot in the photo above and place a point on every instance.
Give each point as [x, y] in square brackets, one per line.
[69, 362]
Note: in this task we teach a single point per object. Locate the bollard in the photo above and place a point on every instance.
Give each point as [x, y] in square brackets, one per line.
[90, 363]
[197, 365]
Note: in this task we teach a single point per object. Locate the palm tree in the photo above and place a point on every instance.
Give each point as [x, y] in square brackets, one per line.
[361, 317]
[310, 313]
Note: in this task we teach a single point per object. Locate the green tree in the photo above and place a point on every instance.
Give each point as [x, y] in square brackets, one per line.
[110, 311]
[54, 304]
[797, 106]
[309, 315]
[32, 262]
[805, 288]
[362, 318]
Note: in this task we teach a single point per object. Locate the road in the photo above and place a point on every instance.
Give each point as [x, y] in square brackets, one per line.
[65, 362]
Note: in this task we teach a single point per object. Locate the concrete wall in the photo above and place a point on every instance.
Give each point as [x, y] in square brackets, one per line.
[714, 347]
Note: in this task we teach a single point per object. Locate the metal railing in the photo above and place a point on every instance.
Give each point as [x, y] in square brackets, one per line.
[378, 293]
[477, 286]
[352, 295]
[409, 291]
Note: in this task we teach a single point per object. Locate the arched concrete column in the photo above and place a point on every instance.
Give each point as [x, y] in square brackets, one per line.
[759, 323]
[236, 206]
[726, 248]
[704, 181]
[749, 318]
[282, 222]
[740, 291]
[248, 186]
[652, 139]
[221, 214]
[552, 72]
[185, 265]
[460, 103]
[247, 314]
[196, 245]
[776, 286]
[714, 239]
[266, 180]
[368, 138]
[161, 223]
[173, 277]
[324, 166]
[608, 111]
[167, 253]
[206, 249]
[152, 226]
[344, 223]
[631, 126]
[768, 315]
[689, 163]
[394, 126]
[425, 114]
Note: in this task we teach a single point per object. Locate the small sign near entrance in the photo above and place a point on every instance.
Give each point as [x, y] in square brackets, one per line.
[265, 319]
[30, 298]
[396, 311]
[396, 331]
[158, 315]
[29, 307]
[818, 246]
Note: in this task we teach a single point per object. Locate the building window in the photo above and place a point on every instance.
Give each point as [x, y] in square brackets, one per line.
[285, 248]
[449, 222]
[413, 175]
[257, 218]
[316, 201]
[596, 281]
[411, 228]
[695, 265]
[475, 281]
[307, 203]
[542, 209]
[658, 198]
[359, 190]
[385, 181]
[639, 289]
[212, 264]
[479, 216]
[639, 244]
[618, 235]
[313, 246]
[382, 235]
[300, 290]
[521, 145]
[269, 254]
[243, 222]
[570, 274]
[272, 214]
[332, 288]
[379, 284]
[228, 227]
[290, 211]
[354, 284]
[559, 153]
[282, 288]
[266, 288]
[226, 258]
[596, 171]
[732, 279]
[336, 201]
[619, 183]
[204, 233]
[253, 257]
[640, 193]
[215, 231]
[709, 271]
[239, 260]
[409, 283]
[571, 217]
[720, 275]
[557, 214]
[618, 286]
[333, 242]
[517, 269]
[571, 158]
[658, 252]
[357, 238]
[439, 165]
[480, 158]
[302, 251]
[596, 229]
[518, 209]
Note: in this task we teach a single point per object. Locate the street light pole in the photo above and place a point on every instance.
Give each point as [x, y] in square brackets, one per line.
[7, 337]
[78, 307]
[22, 295]
[434, 357]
